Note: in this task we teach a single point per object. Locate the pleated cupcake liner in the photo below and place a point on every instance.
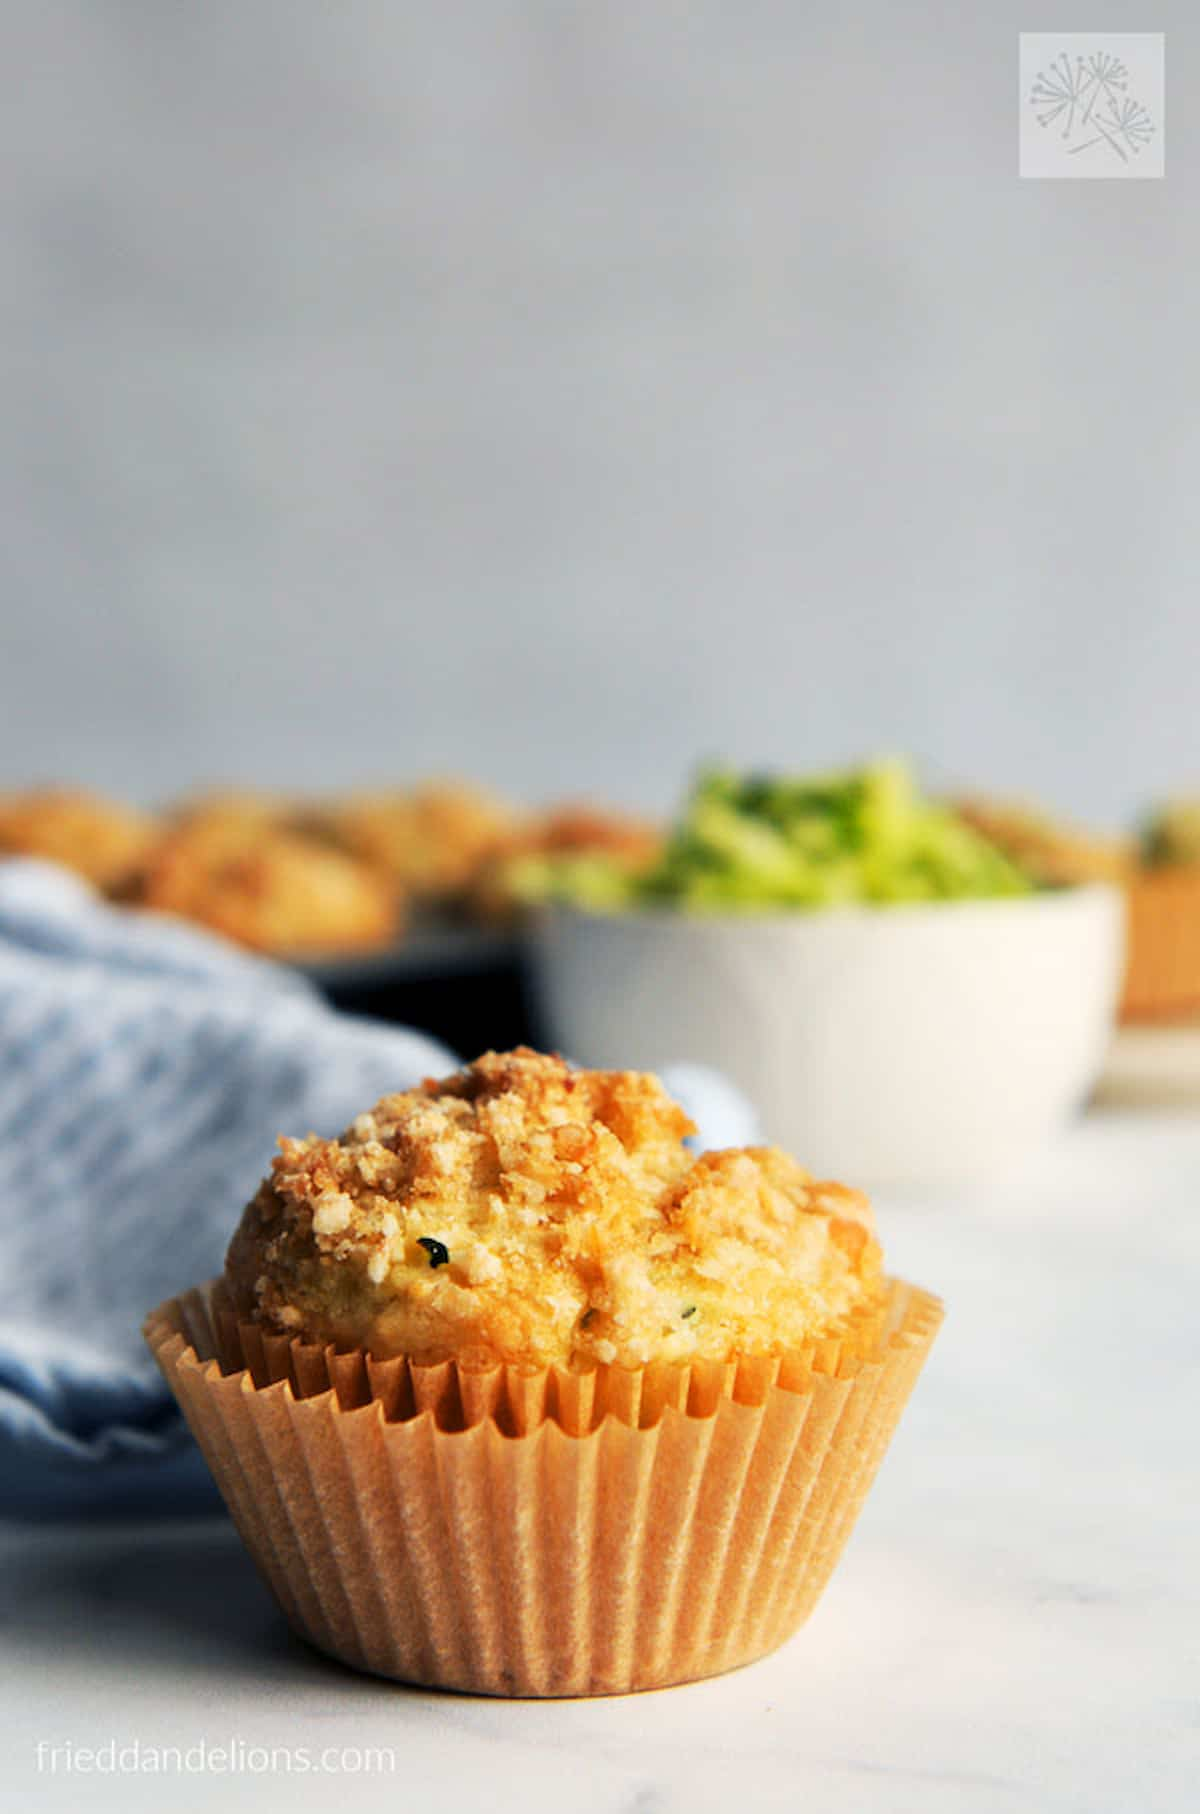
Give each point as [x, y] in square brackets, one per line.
[1162, 974]
[507, 1532]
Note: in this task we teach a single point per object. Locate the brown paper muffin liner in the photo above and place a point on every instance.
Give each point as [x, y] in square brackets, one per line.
[1162, 974]
[546, 1533]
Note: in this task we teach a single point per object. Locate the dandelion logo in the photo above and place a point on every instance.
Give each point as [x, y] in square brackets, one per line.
[1092, 108]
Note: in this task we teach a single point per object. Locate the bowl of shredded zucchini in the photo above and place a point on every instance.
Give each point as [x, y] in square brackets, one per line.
[900, 999]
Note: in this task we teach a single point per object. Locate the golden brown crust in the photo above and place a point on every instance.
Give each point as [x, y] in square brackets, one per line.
[430, 841]
[232, 867]
[1049, 850]
[99, 839]
[526, 1212]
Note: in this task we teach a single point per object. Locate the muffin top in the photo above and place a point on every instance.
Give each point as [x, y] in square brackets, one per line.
[430, 840]
[1051, 850]
[526, 1212]
[1172, 834]
[231, 864]
[99, 839]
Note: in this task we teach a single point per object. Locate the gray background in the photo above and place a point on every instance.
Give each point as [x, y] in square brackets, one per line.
[564, 393]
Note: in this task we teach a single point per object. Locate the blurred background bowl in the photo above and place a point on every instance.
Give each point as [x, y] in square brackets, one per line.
[898, 1046]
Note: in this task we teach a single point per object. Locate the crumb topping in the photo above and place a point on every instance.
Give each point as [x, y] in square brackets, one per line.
[527, 1212]
[229, 866]
[99, 839]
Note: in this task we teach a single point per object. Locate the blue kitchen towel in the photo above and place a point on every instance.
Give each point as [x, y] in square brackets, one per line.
[145, 1070]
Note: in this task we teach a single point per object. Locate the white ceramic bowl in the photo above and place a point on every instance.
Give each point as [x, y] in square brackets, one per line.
[906, 1045]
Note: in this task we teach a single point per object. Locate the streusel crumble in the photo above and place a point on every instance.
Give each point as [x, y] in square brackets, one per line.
[527, 1212]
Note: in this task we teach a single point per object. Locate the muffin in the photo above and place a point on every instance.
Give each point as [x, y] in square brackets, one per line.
[232, 866]
[430, 842]
[1048, 849]
[579, 848]
[1171, 838]
[101, 840]
[234, 809]
[1162, 978]
[511, 1321]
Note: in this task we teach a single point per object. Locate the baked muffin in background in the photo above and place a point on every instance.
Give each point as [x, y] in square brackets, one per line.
[1160, 874]
[299, 876]
[1050, 850]
[231, 865]
[1162, 979]
[510, 1391]
[1171, 836]
[234, 811]
[101, 840]
[581, 846]
[430, 841]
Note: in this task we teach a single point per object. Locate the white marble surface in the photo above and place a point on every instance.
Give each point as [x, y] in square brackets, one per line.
[1013, 1625]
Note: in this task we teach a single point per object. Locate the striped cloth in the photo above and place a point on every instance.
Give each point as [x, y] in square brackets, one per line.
[145, 1070]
